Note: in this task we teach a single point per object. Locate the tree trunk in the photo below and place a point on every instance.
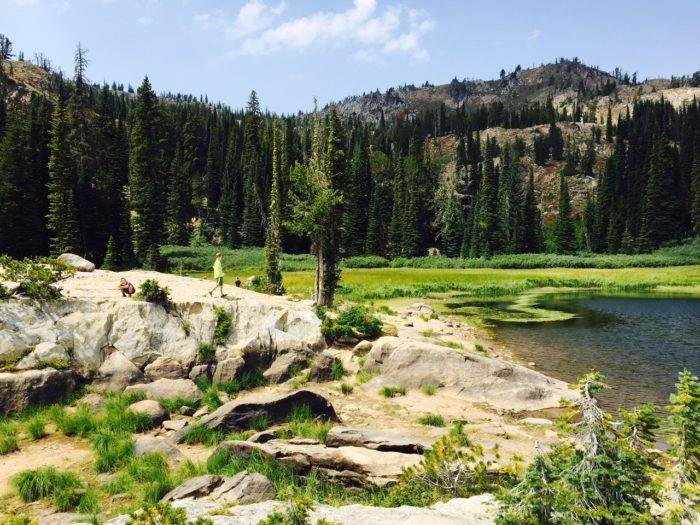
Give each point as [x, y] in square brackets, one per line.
[319, 292]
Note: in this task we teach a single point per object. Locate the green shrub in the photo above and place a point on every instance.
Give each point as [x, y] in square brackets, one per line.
[428, 390]
[223, 326]
[58, 364]
[112, 449]
[360, 319]
[152, 292]
[35, 278]
[44, 482]
[205, 353]
[393, 391]
[338, 370]
[36, 428]
[173, 404]
[202, 434]
[249, 379]
[432, 420]
[346, 389]
[8, 444]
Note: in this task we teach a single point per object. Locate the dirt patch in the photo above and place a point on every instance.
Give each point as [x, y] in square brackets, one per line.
[55, 451]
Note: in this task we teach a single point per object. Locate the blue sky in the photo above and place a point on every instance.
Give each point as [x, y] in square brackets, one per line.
[291, 51]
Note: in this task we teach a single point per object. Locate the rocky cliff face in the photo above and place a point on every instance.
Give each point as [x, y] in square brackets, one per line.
[103, 334]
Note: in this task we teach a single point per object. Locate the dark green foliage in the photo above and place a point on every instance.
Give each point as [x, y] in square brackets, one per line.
[151, 291]
[35, 278]
[532, 240]
[111, 260]
[223, 326]
[273, 239]
[146, 172]
[253, 184]
[354, 321]
[564, 232]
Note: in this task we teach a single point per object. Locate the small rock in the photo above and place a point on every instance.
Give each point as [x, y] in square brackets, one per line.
[540, 421]
[175, 424]
[263, 436]
[421, 308]
[153, 409]
[362, 348]
[43, 353]
[164, 367]
[408, 325]
[245, 487]
[323, 367]
[92, 400]
[348, 340]
[116, 373]
[531, 363]
[186, 411]
[77, 262]
[203, 411]
[282, 367]
[144, 444]
[168, 389]
[199, 372]
[228, 369]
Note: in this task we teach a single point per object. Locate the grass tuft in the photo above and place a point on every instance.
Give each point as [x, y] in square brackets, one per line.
[393, 391]
[428, 390]
[33, 485]
[202, 434]
[346, 389]
[432, 420]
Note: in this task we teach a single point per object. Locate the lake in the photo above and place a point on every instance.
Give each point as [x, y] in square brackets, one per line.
[639, 343]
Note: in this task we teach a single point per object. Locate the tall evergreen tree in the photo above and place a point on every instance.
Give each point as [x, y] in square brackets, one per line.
[532, 241]
[452, 227]
[695, 185]
[252, 227]
[62, 218]
[357, 196]
[231, 202]
[178, 206]
[564, 229]
[146, 173]
[398, 209]
[486, 238]
[273, 240]
[377, 239]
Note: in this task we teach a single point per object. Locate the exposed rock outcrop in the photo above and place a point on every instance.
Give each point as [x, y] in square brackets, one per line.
[352, 465]
[237, 414]
[116, 373]
[414, 364]
[21, 389]
[477, 510]
[383, 440]
[323, 367]
[44, 353]
[164, 368]
[283, 367]
[243, 488]
[145, 444]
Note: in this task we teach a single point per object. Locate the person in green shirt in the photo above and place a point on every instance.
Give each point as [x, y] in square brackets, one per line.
[218, 275]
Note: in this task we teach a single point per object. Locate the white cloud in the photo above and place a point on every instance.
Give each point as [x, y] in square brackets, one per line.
[534, 35]
[144, 21]
[362, 26]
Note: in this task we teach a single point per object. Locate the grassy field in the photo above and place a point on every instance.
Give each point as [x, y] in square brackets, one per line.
[382, 284]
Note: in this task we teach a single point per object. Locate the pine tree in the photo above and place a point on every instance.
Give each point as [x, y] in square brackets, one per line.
[111, 260]
[695, 186]
[564, 230]
[231, 202]
[532, 241]
[609, 127]
[179, 205]
[252, 162]
[357, 193]
[452, 227]
[377, 239]
[555, 141]
[398, 208]
[660, 216]
[273, 240]
[62, 218]
[334, 165]
[486, 239]
[412, 227]
[589, 223]
[510, 202]
[146, 175]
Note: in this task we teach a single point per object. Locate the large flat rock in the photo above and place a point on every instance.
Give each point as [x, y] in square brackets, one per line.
[413, 364]
[348, 464]
[383, 440]
[19, 390]
[93, 320]
[477, 510]
[238, 413]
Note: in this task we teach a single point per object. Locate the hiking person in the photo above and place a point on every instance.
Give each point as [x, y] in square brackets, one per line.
[238, 282]
[126, 288]
[218, 275]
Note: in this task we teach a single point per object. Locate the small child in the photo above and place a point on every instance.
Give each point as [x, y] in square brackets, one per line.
[126, 288]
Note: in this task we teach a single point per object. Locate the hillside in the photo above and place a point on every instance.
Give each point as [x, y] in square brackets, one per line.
[566, 83]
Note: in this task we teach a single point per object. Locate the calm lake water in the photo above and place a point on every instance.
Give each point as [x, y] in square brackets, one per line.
[640, 343]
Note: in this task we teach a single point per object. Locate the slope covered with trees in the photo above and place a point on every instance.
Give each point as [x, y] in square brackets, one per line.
[84, 168]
